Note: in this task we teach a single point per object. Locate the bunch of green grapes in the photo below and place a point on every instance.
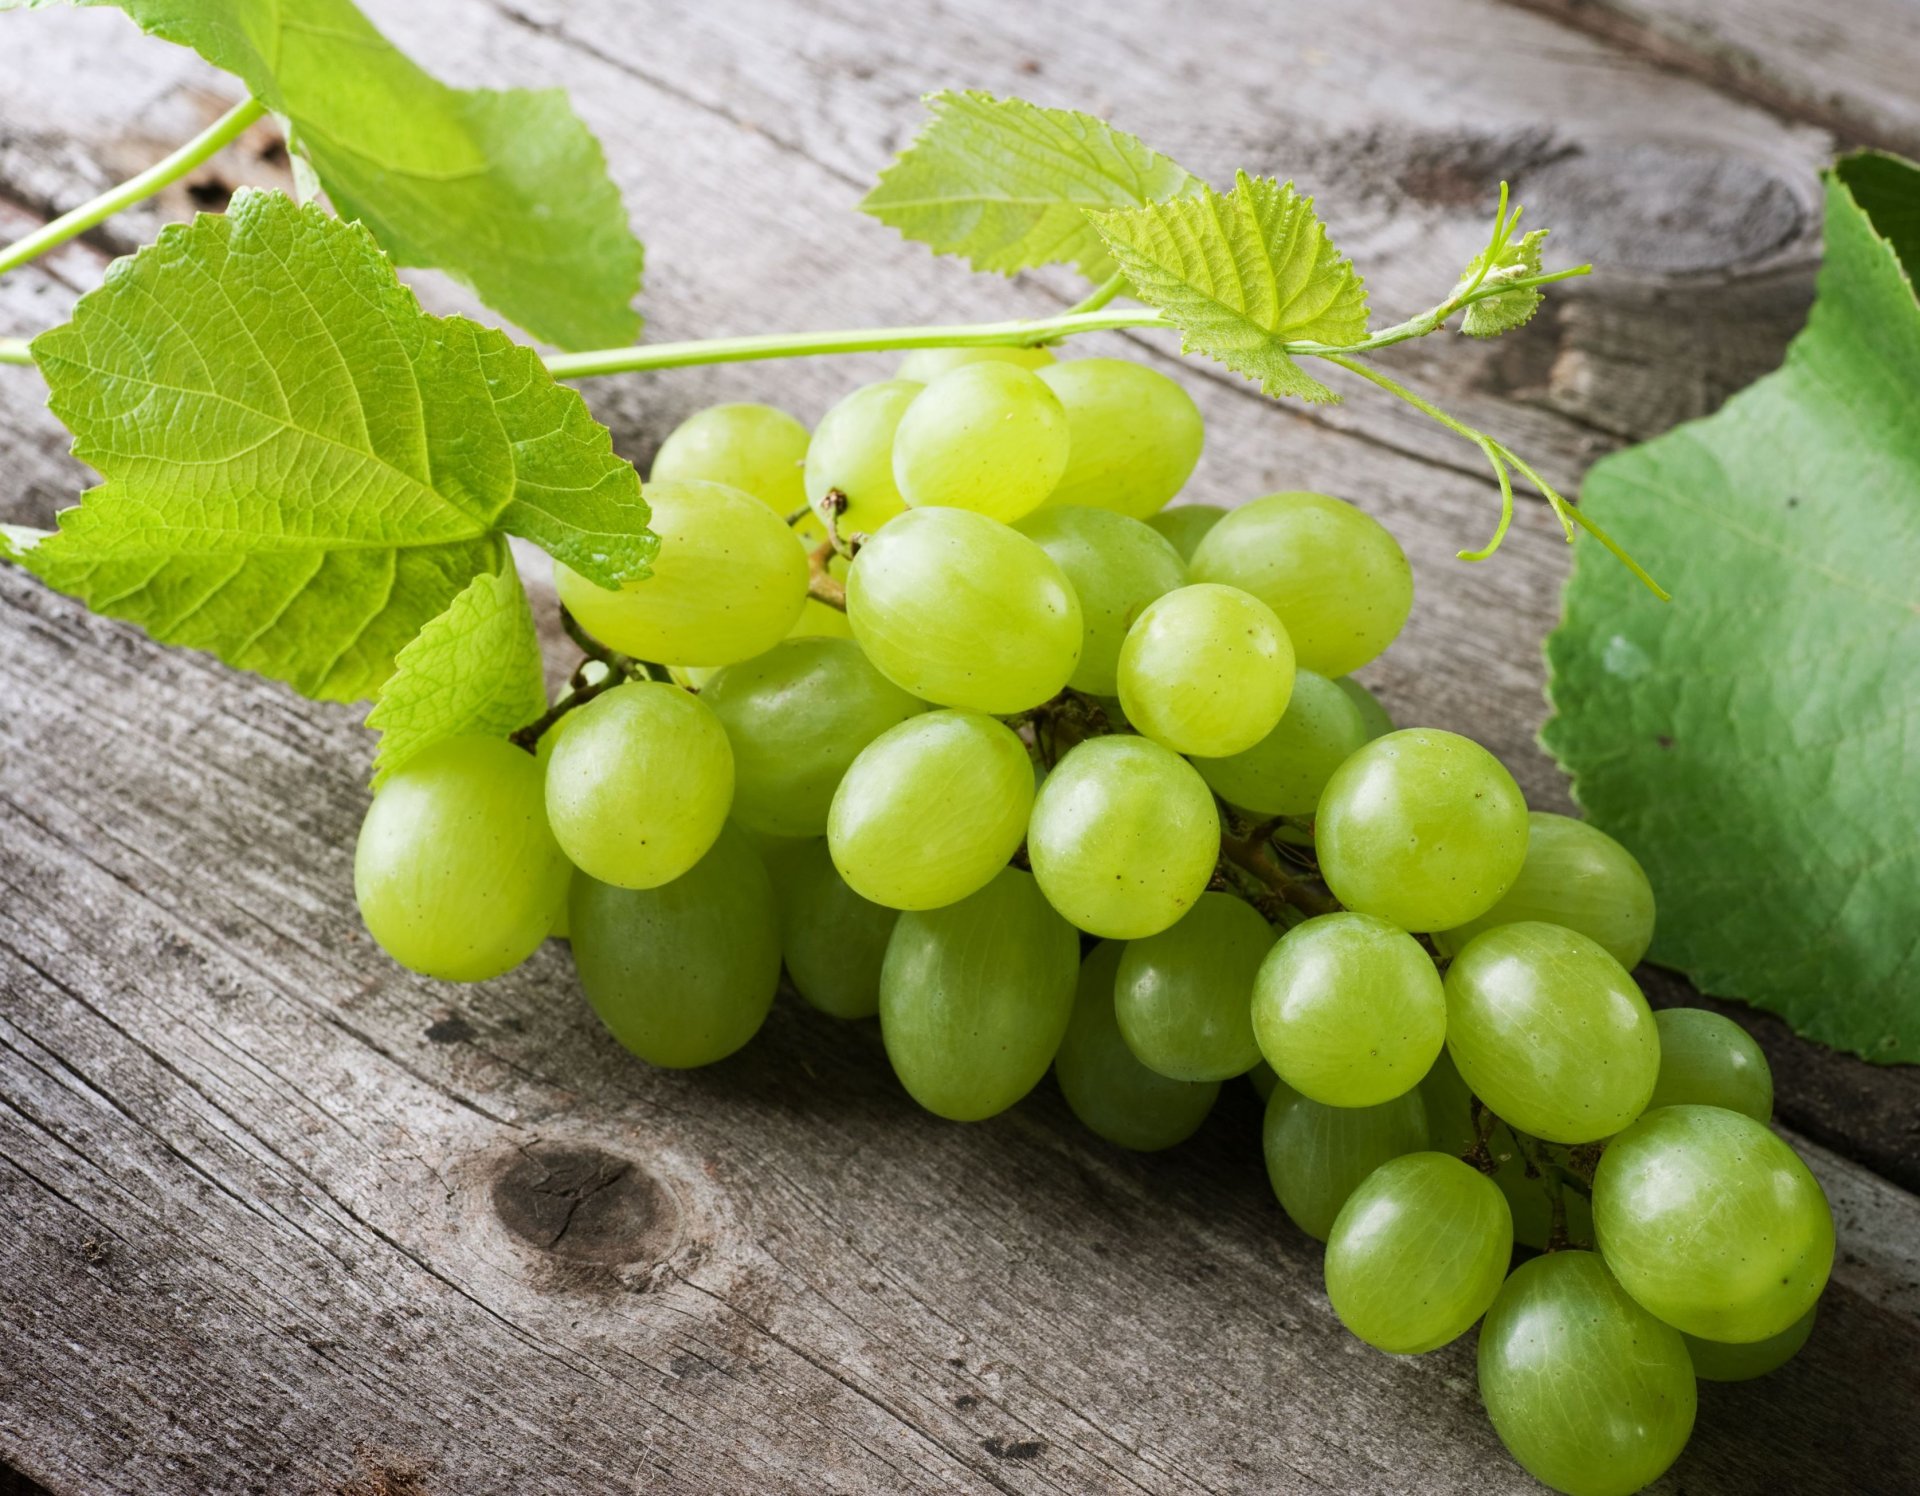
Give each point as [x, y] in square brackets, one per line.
[941, 711]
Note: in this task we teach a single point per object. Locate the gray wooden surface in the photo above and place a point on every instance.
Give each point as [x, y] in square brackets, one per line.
[279, 1217]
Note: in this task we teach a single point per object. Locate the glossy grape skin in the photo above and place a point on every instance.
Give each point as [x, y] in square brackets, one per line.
[1339, 582]
[1421, 827]
[1349, 1010]
[1183, 997]
[1589, 1392]
[1578, 876]
[1284, 773]
[975, 997]
[1551, 1032]
[797, 716]
[1206, 670]
[1708, 1060]
[639, 782]
[728, 583]
[683, 974]
[987, 437]
[1186, 524]
[963, 611]
[1715, 1361]
[757, 449]
[1712, 1223]
[1135, 435]
[1116, 566]
[456, 873]
[852, 450]
[833, 941]
[924, 365]
[1109, 1090]
[1372, 713]
[931, 810]
[1124, 837]
[1318, 1155]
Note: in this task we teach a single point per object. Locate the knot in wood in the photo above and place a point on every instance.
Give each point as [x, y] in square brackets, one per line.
[586, 1205]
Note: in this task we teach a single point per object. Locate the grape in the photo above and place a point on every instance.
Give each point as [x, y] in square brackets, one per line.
[1261, 1078]
[1116, 566]
[456, 873]
[1124, 837]
[1707, 1060]
[852, 450]
[754, 448]
[963, 611]
[682, 974]
[974, 998]
[1418, 1252]
[1551, 1032]
[1339, 582]
[1185, 524]
[1588, 1391]
[924, 365]
[931, 810]
[639, 783]
[833, 940]
[1716, 1361]
[1372, 713]
[989, 437]
[820, 620]
[1135, 435]
[1110, 1091]
[1182, 997]
[1349, 1010]
[1712, 1223]
[728, 582]
[1421, 827]
[1318, 1155]
[1284, 773]
[1206, 669]
[797, 716]
[1578, 876]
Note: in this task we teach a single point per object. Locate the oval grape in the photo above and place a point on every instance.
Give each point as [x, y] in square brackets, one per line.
[1284, 773]
[1317, 1156]
[1183, 997]
[1206, 670]
[988, 437]
[1116, 566]
[1135, 435]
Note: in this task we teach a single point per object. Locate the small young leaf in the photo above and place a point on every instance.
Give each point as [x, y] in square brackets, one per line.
[1243, 273]
[301, 466]
[1505, 310]
[1005, 183]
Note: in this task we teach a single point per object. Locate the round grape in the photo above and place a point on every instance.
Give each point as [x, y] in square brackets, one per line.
[852, 451]
[1186, 524]
[1135, 435]
[1284, 773]
[1182, 997]
[1707, 1060]
[1206, 670]
[1318, 1155]
[989, 437]
[1116, 566]
[757, 449]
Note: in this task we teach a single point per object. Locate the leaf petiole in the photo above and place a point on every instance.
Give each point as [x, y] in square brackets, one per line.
[15, 351]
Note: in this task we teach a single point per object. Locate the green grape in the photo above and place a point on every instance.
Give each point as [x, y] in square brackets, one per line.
[820, 620]
[1716, 1361]
[757, 449]
[965, 612]
[989, 437]
[728, 583]
[1124, 837]
[1339, 582]
[1713, 1223]
[1135, 435]
[1116, 566]
[1206, 669]
[1578, 876]
[852, 451]
[682, 974]
[924, 365]
[639, 783]
[1349, 1010]
[1707, 1060]
[975, 997]
[1186, 524]
[1110, 1091]
[1418, 1252]
[456, 873]
[797, 716]
[931, 810]
[833, 940]
[1372, 713]
[1421, 827]
[1319, 1155]
[1284, 773]
[1551, 1032]
[1588, 1391]
[1183, 996]
[1261, 1078]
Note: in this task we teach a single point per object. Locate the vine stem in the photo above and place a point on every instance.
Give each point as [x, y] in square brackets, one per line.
[15, 351]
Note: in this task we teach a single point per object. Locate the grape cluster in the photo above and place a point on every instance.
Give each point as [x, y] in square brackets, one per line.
[1078, 782]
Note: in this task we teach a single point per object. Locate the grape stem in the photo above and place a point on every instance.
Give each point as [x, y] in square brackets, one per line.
[822, 585]
[619, 670]
[1251, 853]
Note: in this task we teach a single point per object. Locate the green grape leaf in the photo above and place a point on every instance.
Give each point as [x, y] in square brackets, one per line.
[1005, 183]
[1243, 274]
[1754, 741]
[1505, 310]
[507, 191]
[301, 467]
[473, 669]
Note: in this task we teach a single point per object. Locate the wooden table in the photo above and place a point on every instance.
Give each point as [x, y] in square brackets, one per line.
[280, 1218]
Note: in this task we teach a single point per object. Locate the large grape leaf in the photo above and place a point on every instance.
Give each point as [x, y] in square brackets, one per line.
[301, 466]
[1757, 741]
